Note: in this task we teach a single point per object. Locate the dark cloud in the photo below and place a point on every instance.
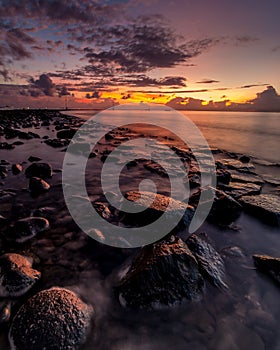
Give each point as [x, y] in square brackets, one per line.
[267, 100]
[63, 91]
[245, 39]
[207, 81]
[96, 94]
[45, 84]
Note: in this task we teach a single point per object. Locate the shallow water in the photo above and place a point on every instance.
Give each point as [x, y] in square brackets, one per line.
[244, 317]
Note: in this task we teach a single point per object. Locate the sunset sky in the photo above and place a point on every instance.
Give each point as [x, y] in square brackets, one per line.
[189, 54]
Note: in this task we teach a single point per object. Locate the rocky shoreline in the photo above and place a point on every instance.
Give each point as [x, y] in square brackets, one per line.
[42, 247]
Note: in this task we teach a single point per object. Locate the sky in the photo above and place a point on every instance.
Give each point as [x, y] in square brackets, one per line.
[188, 54]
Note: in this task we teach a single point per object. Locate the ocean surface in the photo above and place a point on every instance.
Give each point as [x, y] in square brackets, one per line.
[256, 134]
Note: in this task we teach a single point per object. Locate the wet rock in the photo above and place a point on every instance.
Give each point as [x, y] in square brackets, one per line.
[6, 145]
[235, 164]
[209, 260]
[34, 159]
[66, 134]
[161, 274]
[42, 170]
[37, 185]
[245, 178]
[55, 318]
[194, 180]
[236, 189]
[56, 143]
[16, 169]
[268, 265]
[244, 159]
[5, 311]
[223, 176]
[224, 210]
[152, 209]
[27, 228]
[264, 206]
[16, 275]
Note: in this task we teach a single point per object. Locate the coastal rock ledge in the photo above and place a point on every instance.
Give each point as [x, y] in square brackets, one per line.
[162, 274]
[264, 206]
[55, 318]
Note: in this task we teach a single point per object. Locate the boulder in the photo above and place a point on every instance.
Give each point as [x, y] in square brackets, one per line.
[27, 228]
[268, 265]
[209, 260]
[224, 210]
[66, 133]
[55, 318]
[175, 210]
[264, 206]
[16, 275]
[237, 189]
[162, 274]
[56, 143]
[41, 170]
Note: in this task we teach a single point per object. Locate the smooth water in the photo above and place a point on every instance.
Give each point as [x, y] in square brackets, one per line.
[253, 133]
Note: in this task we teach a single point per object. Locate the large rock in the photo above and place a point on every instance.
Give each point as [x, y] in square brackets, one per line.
[27, 228]
[264, 206]
[66, 134]
[41, 170]
[209, 260]
[161, 274]
[174, 209]
[224, 210]
[16, 275]
[235, 164]
[52, 319]
[268, 265]
[237, 189]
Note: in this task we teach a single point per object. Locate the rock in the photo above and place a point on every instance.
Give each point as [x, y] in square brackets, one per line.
[5, 311]
[236, 189]
[210, 262]
[37, 185]
[194, 180]
[244, 159]
[56, 143]
[224, 210]
[42, 170]
[27, 228]
[161, 274]
[16, 275]
[66, 133]
[223, 176]
[162, 204]
[16, 169]
[268, 265]
[264, 206]
[238, 177]
[235, 164]
[34, 159]
[6, 145]
[55, 318]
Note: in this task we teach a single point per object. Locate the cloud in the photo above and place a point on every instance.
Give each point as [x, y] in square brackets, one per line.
[96, 94]
[63, 91]
[45, 84]
[267, 100]
[207, 81]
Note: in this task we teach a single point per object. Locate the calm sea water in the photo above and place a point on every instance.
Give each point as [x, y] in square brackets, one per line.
[253, 133]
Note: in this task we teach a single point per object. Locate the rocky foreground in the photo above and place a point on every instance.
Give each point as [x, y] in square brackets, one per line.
[43, 252]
